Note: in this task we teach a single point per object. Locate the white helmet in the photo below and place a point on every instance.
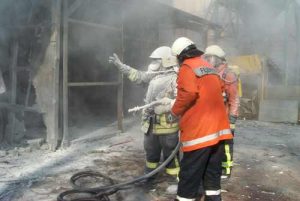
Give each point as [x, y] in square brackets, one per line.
[180, 44]
[164, 53]
[215, 50]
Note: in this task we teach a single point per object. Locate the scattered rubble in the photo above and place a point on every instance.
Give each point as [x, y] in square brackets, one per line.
[35, 143]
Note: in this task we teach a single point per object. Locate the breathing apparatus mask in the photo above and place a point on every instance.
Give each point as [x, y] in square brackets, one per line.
[154, 65]
[215, 61]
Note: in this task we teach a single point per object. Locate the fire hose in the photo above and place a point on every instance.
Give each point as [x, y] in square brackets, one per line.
[102, 193]
[137, 108]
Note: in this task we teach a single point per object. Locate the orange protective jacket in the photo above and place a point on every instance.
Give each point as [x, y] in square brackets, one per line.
[200, 105]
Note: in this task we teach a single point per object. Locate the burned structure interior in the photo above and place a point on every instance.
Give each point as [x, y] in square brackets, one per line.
[67, 126]
[54, 62]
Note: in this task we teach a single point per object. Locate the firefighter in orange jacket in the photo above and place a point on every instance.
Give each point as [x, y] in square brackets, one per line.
[203, 123]
[216, 57]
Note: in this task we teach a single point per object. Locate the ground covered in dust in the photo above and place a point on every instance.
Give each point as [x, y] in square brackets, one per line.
[267, 161]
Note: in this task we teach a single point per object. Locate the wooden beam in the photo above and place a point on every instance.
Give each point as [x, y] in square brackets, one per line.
[262, 86]
[66, 137]
[29, 26]
[13, 71]
[55, 41]
[297, 24]
[46, 78]
[86, 84]
[18, 108]
[13, 89]
[78, 3]
[28, 89]
[286, 44]
[120, 104]
[120, 92]
[95, 25]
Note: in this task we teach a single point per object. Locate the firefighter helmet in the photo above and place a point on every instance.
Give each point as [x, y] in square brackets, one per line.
[215, 50]
[181, 44]
[164, 53]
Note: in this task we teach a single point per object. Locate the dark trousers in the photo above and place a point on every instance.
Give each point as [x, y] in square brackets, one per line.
[155, 144]
[201, 169]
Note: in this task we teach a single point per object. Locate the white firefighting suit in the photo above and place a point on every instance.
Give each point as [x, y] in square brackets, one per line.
[161, 135]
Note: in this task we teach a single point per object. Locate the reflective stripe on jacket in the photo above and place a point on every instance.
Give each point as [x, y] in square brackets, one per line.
[161, 125]
[200, 104]
[139, 77]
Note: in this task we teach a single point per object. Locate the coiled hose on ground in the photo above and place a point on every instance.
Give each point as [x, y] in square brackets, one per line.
[102, 193]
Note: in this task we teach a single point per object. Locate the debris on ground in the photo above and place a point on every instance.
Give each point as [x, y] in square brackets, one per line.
[266, 165]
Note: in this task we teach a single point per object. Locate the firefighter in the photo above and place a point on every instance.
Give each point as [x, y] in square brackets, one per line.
[160, 135]
[216, 56]
[203, 123]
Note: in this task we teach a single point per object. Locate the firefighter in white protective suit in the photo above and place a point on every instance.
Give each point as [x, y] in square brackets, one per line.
[160, 131]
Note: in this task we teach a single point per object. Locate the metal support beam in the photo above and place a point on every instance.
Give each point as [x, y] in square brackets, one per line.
[66, 137]
[87, 84]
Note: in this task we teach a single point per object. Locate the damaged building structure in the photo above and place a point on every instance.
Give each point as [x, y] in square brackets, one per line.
[57, 77]
[54, 61]
[64, 107]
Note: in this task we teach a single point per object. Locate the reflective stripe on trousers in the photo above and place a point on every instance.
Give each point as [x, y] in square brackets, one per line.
[206, 138]
[213, 192]
[229, 163]
[170, 171]
[184, 199]
[151, 165]
[174, 171]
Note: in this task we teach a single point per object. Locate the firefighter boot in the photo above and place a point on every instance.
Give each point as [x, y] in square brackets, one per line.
[213, 198]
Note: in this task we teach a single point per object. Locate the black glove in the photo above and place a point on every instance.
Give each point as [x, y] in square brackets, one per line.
[232, 120]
